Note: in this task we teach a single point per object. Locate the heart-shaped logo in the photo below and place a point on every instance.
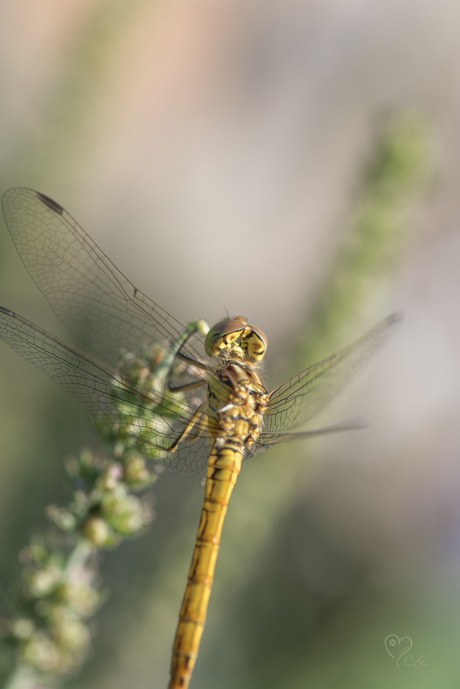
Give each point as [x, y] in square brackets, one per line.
[396, 646]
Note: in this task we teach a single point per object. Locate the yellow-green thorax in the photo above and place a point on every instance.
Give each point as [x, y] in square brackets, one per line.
[237, 397]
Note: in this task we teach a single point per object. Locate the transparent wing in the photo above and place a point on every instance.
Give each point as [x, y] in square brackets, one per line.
[85, 290]
[266, 440]
[103, 393]
[300, 398]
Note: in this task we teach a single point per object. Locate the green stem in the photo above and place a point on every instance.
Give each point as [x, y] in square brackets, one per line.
[78, 558]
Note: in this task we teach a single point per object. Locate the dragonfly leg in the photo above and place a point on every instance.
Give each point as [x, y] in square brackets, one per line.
[192, 362]
[176, 351]
[185, 386]
[193, 327]
[192, 425]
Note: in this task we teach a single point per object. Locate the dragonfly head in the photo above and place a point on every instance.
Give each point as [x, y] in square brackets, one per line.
[235, 336]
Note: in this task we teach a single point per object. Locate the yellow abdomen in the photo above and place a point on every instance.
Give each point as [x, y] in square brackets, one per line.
[237, 400]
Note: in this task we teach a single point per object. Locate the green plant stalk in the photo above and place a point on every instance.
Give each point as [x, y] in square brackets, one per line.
[377, 237]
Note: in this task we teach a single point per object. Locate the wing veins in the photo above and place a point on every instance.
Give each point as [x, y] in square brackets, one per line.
[307, 393]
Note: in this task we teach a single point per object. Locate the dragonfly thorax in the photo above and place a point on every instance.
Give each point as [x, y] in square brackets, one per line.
[233, 337]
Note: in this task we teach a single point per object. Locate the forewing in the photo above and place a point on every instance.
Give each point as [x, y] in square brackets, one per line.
[92, 385]
[85, 290]
[300, 398]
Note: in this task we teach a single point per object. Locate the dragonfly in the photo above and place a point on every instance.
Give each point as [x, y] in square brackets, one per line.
[192, 407]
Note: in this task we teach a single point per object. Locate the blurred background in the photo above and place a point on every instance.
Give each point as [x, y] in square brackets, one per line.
[217, 152]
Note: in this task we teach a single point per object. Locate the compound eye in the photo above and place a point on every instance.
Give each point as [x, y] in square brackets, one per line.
[256, 344]
[235, 334]
[222, 335]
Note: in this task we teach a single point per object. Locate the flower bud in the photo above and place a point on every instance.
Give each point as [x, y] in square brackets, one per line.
[22, 628]
[43, 581]
[136, 472]
[98, 532]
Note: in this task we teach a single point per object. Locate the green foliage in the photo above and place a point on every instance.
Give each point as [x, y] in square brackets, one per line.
[59, 587]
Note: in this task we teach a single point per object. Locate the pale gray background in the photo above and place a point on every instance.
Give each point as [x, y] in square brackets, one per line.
[213, 149]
